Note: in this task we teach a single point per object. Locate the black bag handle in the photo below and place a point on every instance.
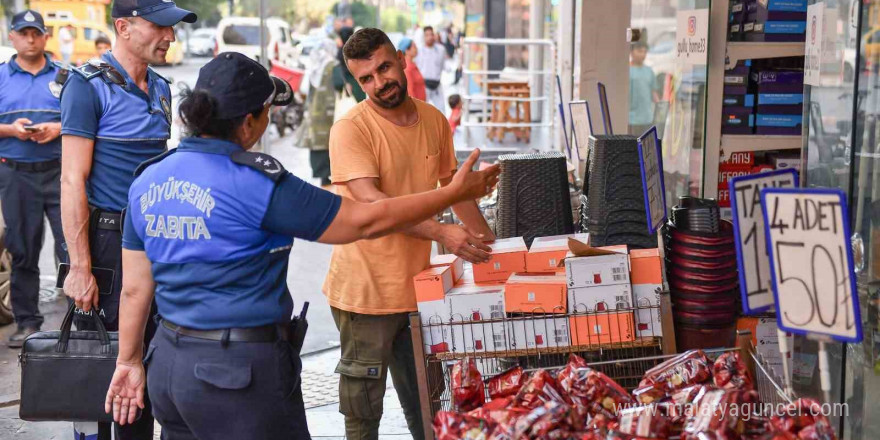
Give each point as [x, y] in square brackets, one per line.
[61, 346]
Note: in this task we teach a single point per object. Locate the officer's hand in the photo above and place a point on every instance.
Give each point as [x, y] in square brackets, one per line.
[465, 244]
[20, 133]
[81, 287]
[126, 392]
[48, 132]
[472, 185]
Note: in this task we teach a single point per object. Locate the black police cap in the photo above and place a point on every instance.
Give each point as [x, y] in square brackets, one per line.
[28, 18]
[160, 12]
[241, 85]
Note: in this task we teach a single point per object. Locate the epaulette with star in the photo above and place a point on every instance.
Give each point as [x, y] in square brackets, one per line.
[265, 164]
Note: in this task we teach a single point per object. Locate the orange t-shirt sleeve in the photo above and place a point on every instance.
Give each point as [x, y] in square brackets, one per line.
[448, 162]
[351, 154]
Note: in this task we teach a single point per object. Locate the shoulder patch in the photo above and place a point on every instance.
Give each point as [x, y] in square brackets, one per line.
[87, 71]
[146, 164]
[157, 75]
[265, 164]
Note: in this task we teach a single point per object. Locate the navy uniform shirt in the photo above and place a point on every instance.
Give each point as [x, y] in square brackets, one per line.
[218, 233]
[128, 127]
[23, 95]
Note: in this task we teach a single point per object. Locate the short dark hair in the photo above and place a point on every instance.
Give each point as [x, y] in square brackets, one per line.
[102, 40]
[454, 100]
[364, 42]
[428, 28]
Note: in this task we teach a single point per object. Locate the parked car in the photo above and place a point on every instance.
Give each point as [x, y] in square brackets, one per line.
[242, 35]
[201, 42]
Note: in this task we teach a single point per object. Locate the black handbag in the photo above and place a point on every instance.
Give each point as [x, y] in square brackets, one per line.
[65, 374]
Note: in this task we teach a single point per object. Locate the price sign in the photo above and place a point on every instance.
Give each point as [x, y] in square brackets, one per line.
[748, 230]
[651, 164]
[811, 261]
[581, 125]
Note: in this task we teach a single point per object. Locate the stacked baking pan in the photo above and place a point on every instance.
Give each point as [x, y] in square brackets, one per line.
[615, 202]
[702, 273]
[533, 196]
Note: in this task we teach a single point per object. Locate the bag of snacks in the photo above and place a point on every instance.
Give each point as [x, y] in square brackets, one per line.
[804, 419]
[730, 372]
[540, 421]
[468, 391]
[450, 425]
[539, 389]
[682, 371]
[507, 383]
[644, 421]
[720, 414]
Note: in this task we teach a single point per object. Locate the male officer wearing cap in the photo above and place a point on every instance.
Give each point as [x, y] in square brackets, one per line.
[115, 114]
[30, 169]
[208, 231]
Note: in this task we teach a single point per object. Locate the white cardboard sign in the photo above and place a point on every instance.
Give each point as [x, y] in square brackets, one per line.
[581, 125]
[692, 36]
[813, 51]
[748, 230]
[808, 239]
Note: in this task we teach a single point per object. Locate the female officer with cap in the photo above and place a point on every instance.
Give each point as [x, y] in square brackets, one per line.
[209, 228]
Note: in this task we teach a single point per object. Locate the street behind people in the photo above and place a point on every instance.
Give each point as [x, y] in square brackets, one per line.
[215, 255]
[388, 146]
[320, 107]
[116, 113]
[30, 167]
[431, 60]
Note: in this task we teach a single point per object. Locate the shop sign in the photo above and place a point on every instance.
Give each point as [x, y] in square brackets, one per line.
[811, 261]
[651, 164]
[813, 52]
[748, 230]
[692, 36]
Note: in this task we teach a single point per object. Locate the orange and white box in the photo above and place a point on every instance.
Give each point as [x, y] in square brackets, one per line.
[431, 286]
[451, 260]
[508, 257]
[525, 293]
[470, 308]
[597, 270]
[646, 273]
[602, 328]
[547, 252]
[538, 332]
[433, 283]
[600, 298]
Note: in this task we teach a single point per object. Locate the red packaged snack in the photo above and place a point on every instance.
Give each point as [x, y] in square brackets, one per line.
[720, 414]
[644, 421]
[777, 435]
[542, 420]
[730, 372]
[679, 406]
[507, 383]
[468, 391]
[449, 425]
[804, 418]
[605, 395]
[682, 371]
[539, 389]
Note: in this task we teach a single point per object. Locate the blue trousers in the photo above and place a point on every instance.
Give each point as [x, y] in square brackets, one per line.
[201, 389]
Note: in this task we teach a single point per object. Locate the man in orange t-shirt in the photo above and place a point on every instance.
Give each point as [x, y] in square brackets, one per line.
[389, 145]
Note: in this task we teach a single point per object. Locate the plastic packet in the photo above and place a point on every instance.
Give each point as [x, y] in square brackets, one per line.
[468, 391]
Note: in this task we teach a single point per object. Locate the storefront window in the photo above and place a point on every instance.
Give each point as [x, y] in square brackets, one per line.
[668, 92]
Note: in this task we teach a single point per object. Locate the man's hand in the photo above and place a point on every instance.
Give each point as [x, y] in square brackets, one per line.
[464, 243]
[126, 393]
[473, 185]
[80, 286]
[20, 133]
[47, 132]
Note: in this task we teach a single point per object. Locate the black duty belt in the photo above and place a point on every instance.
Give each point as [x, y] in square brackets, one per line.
[31, 167]
[266, 333]
[108, 220]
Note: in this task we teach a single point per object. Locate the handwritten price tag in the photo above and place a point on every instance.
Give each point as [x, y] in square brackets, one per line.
[581, 125]
[748, 229]
[808, 240]
[651, 164]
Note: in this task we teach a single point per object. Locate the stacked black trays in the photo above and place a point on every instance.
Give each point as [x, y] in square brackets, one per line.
[702, 273]
[614, 212]
[533, 196]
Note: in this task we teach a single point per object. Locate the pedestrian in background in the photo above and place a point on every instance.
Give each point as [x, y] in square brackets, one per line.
[115, 114]
[320, 108]
[30, 167]
[643, 90]
[343, 80]
[66, 38]
[431, 59]
[102, 45]
[455, 113]
[415, 83]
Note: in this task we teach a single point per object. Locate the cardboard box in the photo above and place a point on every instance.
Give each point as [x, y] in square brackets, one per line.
[738, 101]
[453, 261]
[723, 197]
[765, 339]
[469, 307]
[432, 284]
[597, 270]
[508, 257]
[728, 173]
[646, 271]
[781, 162]
[436, 338]
[600, 298]
[740, 158]
[778, 124]
[525, 293]
[779, 81]
[538, 332]
[547, 252]
[603, 328]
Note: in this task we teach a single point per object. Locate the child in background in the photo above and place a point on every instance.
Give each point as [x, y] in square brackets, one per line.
[454, 117]
[102, 45]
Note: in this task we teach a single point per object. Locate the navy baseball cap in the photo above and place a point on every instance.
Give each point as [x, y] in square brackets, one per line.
[160, 12]
[241, 85]
[28, 18]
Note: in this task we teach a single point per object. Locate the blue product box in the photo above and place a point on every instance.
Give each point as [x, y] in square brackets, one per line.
[736, 90]
[738, 123]
[781, 103]
[779, 81]
[777, 6]
[778, 124]
[736, 79]
[779, 31]
[738, 101]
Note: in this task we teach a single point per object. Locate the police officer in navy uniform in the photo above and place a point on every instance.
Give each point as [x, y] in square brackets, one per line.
[30, 167]
[208, 231]
[115, 114]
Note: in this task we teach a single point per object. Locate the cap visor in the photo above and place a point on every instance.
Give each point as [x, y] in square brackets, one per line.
[283, 93]
[170, 16]
[29, 25]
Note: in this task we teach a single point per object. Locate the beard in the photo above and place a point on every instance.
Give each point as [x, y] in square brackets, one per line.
[394, 100]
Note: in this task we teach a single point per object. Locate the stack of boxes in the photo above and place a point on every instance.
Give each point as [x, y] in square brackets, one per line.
[749, 162]
[775, 20]
[738, 106]
[737, 20]
[780, 100]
